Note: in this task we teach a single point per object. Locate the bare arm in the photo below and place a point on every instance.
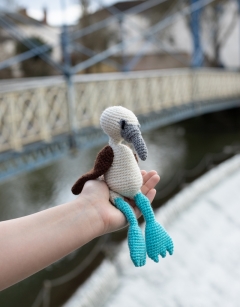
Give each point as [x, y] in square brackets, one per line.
[31, 243]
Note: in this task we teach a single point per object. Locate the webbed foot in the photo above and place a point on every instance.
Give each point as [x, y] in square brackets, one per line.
[136, 245]
[158, 241]
[136, 240]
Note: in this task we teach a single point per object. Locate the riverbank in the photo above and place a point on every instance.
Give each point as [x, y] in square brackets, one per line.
[204, 221]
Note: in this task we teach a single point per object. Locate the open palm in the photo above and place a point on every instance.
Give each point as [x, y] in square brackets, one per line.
[96, 193]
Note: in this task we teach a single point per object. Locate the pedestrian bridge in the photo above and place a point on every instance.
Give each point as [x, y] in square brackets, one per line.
[42, 118]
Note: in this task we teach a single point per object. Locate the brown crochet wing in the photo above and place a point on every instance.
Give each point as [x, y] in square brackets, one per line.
[103, 162]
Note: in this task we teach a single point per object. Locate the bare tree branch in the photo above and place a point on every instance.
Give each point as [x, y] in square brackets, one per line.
[229, 29]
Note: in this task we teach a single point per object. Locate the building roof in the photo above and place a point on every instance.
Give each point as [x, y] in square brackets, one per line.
[21, 17]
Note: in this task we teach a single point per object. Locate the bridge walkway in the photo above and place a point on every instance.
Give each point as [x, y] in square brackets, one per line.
[41, 119]
[39, 111]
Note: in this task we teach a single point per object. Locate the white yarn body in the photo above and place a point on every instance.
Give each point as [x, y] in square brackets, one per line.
[124, 176]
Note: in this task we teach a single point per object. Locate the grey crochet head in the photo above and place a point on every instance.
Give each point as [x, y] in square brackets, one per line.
[120, 123]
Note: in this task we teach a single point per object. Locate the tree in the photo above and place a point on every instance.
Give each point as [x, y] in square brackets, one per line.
[34, 67]
[216, 30]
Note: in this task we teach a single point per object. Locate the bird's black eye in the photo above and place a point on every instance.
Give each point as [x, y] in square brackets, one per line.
[123, 122]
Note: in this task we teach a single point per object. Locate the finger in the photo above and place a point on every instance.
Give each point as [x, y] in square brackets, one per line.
[134, 207]
[151, 194]
[150, 184]
[137, 212]
[143, 172]
[148, 175]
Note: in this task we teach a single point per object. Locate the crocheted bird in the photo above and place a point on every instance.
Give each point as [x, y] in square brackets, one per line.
[116, 162]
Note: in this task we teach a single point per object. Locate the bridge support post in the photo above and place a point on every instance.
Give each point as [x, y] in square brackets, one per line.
[71, 111]
[70, 86]
[121, 21]
[197, 56]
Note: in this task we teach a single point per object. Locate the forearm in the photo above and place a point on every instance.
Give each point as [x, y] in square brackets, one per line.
[31, 243]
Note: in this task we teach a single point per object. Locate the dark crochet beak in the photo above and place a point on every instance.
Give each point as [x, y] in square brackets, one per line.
[132, 134]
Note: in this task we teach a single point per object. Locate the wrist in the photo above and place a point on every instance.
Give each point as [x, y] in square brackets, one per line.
[88, 211]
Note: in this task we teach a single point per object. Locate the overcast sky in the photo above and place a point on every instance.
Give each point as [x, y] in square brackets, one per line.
[55, 8]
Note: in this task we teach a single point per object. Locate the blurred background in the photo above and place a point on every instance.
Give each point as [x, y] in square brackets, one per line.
[175, 63]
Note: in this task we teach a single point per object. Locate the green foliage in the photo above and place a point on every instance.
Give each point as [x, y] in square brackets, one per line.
[34, 67]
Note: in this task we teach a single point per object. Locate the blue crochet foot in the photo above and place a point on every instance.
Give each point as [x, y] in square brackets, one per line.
[136, 245]
[158, 242]
[136, 241]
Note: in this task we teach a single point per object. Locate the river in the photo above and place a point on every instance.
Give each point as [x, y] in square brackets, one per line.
[172, 150]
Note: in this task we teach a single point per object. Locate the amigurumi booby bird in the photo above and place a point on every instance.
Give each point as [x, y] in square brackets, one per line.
[123, 177]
